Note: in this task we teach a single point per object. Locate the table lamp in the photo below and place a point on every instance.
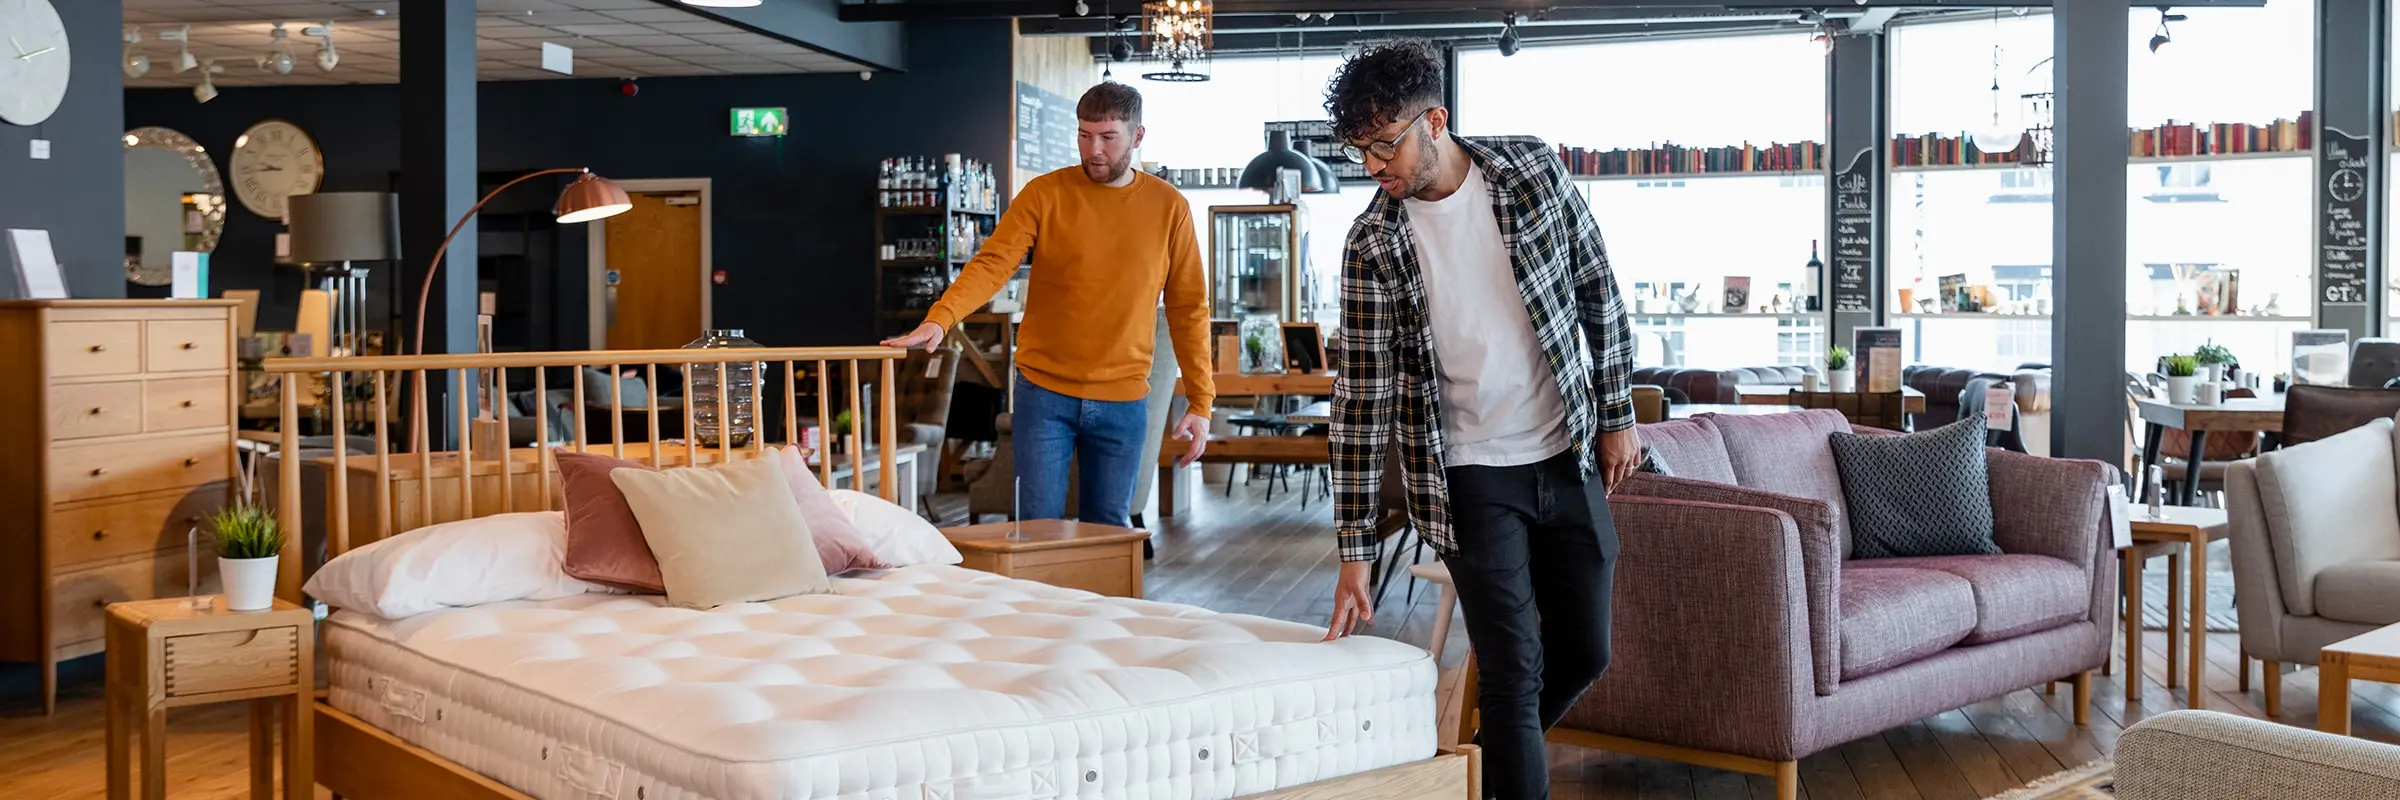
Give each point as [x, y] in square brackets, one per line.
[589, 198]
[331, 232]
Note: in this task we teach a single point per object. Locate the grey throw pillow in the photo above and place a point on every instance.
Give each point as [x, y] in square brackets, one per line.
[1918, 494]
[1652, 463]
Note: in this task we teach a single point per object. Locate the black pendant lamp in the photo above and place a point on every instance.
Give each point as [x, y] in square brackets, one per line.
[1327, 181]
[1260, 174]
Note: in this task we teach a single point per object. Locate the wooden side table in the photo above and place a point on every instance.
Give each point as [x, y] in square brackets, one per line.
[166, 654]
[1102, 559]
[2194, 528]
[2370, 656]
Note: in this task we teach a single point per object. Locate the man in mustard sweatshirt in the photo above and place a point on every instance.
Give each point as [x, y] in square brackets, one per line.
[1108, 241]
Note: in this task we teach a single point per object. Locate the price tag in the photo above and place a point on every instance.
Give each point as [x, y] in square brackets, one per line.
[1998, 401]
[2120, 523]
[933, 368]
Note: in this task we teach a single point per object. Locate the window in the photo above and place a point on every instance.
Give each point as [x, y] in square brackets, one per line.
[1683, 246]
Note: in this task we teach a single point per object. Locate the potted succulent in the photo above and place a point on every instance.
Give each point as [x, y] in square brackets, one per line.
[2182, 379]
[1837, 371]
[248, 541]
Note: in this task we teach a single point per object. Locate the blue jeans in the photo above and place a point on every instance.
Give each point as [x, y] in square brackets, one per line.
[1103, 438]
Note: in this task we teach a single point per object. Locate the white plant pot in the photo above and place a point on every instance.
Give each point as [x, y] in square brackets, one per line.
[1842, 380]
[2184, 390]
[249, 583]
[2208, 392]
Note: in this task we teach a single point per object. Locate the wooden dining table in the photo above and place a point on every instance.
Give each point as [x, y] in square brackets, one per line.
[2263, 414]
[1690, 410]
[1772, 395]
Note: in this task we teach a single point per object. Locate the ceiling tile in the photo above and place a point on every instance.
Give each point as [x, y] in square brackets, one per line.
[731, 39]
[611, 5]
[649, 13]
[648, 41]
[687, 28]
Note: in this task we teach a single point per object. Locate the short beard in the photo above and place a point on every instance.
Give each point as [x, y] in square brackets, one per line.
[1115, 170]
[1429, 162]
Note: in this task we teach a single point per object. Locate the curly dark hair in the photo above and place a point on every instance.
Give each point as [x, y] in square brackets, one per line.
[1383, 82]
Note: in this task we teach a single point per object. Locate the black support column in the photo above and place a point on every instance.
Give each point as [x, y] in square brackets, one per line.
[1854, 91]
[2088, 256]
[2350, 168]
[437, 177]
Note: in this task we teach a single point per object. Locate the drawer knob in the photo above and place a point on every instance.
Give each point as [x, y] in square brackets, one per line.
[191, 345]
[99, 602]
[190, 461]
[187, 404]
[192, 520]
[99, 535]
[99, 471]
[99, 348]
[96, 410]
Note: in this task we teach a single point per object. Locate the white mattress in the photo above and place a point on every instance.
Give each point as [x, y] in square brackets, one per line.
[926, 683]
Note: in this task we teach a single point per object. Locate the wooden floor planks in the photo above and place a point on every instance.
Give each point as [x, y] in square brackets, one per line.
[1249, 555]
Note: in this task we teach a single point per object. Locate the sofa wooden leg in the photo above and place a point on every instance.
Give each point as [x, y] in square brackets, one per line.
[1467, 698]
[2243, 663]
[2050, 688]
[2272, 673]
[2083, 697]
[1787, 780]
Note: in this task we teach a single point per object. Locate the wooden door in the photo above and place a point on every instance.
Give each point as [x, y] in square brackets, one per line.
[654, 252]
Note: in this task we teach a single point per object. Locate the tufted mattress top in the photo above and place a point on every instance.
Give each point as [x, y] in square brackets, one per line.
[920, 682]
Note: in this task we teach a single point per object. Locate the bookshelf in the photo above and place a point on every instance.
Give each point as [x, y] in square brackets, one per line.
[2130, 160]
[2168, 143]
[1674, 160]
[1679, 176]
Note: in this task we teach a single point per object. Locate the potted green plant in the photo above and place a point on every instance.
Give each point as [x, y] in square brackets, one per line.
[2213, 361]
[247, 541]
[2183, 379]
[841, 432]
[1838, 372]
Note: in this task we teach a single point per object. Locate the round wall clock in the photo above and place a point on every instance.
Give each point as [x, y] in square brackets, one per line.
[33, 65]
[271, 162]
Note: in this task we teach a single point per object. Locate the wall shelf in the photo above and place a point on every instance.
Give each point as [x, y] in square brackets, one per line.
[2129, 161]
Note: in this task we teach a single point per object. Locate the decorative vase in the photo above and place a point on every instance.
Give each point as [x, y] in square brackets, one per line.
[716, 423]
[249, 582]
[1842, 380]
[2183, 390]
[1262, 345]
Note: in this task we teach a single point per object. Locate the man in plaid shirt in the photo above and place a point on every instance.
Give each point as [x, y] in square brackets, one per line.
[1482, 332]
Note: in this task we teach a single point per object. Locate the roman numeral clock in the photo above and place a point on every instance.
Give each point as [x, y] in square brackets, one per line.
[272, 161]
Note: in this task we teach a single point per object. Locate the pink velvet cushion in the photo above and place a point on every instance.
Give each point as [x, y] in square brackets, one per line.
[838, 542]
[604, 541]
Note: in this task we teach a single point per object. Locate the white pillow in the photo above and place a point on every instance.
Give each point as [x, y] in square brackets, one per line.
[897, 536]
[454, 564]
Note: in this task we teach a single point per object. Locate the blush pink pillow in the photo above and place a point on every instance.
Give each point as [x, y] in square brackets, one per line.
[838, 542]
[604, 540]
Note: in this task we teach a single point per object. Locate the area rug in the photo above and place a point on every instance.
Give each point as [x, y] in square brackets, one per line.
[2221, 616]
[2093, 781]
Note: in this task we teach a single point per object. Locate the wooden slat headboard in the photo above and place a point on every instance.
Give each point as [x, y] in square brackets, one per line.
[423, 483]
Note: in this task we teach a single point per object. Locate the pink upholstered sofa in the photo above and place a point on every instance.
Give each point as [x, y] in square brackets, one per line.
[1747, 638]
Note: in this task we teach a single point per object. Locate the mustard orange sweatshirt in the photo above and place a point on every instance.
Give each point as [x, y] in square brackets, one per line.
[1102, 258]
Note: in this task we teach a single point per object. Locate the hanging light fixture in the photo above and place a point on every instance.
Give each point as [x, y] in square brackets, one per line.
[2162, 36]
[1999, 137]
[1179, 34]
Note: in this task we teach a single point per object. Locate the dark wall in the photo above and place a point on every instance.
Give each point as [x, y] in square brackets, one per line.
[793, 217]
[78, 194]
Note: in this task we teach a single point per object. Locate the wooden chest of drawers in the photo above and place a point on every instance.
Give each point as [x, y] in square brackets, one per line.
[116, 440]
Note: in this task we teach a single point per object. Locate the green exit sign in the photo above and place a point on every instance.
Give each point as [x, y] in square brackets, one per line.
[760, 121]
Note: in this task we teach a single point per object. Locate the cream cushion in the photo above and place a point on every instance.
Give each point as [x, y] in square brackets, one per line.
[728, 533]
[2327, 503]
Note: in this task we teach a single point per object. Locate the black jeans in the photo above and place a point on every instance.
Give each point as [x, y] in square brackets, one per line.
[1537, 557]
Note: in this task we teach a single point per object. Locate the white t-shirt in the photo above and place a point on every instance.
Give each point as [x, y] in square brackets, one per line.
[1500, 402]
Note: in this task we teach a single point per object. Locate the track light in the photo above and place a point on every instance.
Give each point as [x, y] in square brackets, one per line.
[207, 90]
[2163, 36]
[183, 59]
[136, 63]
[1508, 34]
[327, 58]
[278, 58]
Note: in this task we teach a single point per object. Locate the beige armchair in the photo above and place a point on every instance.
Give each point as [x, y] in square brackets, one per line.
[2316, 547]
[2181, 755]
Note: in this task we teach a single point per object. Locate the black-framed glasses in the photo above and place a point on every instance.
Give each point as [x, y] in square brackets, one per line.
[1384, 151]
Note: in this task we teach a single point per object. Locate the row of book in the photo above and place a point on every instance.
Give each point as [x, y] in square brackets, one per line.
[2224, 138]
[1934, 149]
[1675, 159]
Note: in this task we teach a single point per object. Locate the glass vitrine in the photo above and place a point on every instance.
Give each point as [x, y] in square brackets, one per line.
[1257, 264]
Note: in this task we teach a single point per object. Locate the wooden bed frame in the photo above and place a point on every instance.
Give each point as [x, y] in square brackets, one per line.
[357, 760]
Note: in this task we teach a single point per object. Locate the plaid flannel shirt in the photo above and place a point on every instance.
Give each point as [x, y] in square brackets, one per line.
[1389, 389]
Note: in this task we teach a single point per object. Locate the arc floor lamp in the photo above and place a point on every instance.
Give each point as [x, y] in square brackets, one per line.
[588, 198]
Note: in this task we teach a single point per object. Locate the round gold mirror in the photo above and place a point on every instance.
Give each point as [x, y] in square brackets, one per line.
[174, 202]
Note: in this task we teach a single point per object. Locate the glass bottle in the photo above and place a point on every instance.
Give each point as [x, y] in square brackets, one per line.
[716, 423]
[1815, 278]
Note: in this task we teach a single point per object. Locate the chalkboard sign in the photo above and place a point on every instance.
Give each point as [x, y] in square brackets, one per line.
[1854, 234]
[1045, 131]
[2342, 242]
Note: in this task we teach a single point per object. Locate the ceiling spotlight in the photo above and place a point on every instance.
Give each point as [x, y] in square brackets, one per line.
[2163, 36]
[207, 90]
[327, 59]
[1082, 9]
[136, 63]
[183, 59]
[1508, 34]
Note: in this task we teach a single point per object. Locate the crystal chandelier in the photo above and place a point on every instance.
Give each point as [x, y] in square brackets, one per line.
[1179, 33]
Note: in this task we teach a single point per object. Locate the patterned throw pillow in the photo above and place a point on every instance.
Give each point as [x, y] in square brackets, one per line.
[1918, 494]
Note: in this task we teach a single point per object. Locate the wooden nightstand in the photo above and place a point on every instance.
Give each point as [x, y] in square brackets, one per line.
[1103, 559]
[164, 654]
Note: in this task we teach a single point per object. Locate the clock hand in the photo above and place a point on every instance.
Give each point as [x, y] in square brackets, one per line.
[12, 43]
[29, 56]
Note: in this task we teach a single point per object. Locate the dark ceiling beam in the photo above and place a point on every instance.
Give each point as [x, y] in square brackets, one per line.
[814, 24]
[969, 9]
[1429, 21]
[1334, 41]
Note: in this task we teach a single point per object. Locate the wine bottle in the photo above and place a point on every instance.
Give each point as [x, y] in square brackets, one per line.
[1815, 278]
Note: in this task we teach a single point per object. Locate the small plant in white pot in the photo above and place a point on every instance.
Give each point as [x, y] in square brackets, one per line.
[248, 541]
[2183, 380]
[1838, 374]
[2214, 360]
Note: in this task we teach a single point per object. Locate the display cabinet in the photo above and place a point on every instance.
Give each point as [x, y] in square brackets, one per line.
[1258, 264]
